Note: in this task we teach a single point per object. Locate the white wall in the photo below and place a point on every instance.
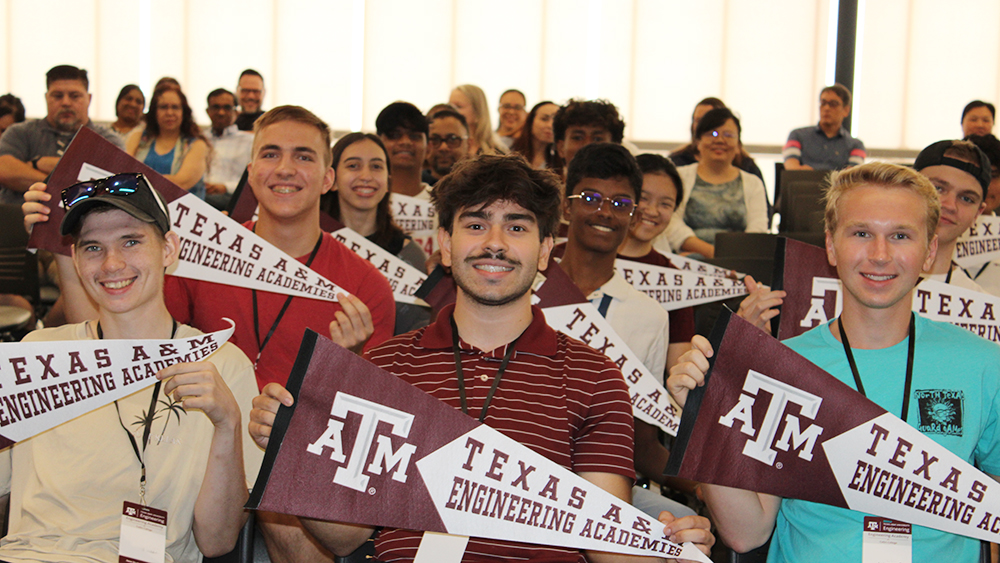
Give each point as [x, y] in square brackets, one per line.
[920, 61]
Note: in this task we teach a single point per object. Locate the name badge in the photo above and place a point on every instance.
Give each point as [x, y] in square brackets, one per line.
[886, 541]
[143, 534]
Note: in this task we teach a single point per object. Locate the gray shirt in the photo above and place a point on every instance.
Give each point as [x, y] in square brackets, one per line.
[32, 139]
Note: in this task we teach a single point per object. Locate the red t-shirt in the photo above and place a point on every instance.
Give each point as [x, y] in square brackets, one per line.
[558, 396]
[203, 305]
[681, 320]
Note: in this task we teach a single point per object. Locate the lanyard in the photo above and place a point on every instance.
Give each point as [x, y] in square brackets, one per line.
[461, 377]
[147, 423]
[281, 313]
[909, 363]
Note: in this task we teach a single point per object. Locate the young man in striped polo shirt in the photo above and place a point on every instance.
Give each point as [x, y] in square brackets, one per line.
[557, 396]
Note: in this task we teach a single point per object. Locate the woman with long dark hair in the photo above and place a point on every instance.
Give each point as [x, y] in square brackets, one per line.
[172, 143]
[360, 200]
[535, 142]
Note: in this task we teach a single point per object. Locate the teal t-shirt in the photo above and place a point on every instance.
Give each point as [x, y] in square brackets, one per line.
[954, 401]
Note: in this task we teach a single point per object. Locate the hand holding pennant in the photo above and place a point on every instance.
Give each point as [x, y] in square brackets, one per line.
[44, 384]
[362, 446]
[213, 247]
[770, 421]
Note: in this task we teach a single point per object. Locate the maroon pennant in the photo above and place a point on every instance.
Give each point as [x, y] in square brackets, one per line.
[89, 150]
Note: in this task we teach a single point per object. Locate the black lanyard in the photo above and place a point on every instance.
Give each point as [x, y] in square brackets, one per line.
[256, 321]
[909, 363]
[147, 423]
[461, 377]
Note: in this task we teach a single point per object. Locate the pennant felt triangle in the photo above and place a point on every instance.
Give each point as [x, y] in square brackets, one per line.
[213, 248]
[363, 446]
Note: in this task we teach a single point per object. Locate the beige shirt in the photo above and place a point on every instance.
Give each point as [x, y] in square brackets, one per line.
[68, 484]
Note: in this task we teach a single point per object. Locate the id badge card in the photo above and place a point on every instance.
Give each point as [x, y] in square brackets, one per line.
[886, 541]
[143, 534]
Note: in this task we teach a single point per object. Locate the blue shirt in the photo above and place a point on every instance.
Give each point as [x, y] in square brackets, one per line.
[812, 147]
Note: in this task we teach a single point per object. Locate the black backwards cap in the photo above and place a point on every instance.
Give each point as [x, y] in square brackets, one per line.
[129, 192]
[934, 156]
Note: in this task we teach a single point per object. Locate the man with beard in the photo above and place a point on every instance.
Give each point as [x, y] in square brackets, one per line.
[29, 151]
[448, 144]
[556, 395]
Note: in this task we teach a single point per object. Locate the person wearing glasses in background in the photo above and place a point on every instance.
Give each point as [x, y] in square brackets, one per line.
[512, 116]
[447, 144]
[716, 195]
[826, 146]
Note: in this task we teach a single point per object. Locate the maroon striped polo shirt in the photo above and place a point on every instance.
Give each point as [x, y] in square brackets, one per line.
[558, 396]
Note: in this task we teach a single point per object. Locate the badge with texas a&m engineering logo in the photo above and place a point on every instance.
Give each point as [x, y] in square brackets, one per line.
[778, 424]
[940, 411]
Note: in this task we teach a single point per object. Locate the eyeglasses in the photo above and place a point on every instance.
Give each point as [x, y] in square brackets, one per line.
[218, 107]
[726, 135]
[621, 205]
[120, 185]
[512, 107]
[453, 141]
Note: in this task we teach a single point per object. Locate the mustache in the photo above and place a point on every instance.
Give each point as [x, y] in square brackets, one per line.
[498, 255]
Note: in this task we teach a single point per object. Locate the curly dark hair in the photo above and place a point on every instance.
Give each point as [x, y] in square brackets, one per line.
[481, 181]
[599, 113]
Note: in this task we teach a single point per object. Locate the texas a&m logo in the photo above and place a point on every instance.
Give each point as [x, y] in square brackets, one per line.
[817, 306]
[793, 435]
[353, 474]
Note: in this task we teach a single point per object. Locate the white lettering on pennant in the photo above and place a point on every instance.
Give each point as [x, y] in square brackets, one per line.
[793, 436]
[816, 310]
[351, 475]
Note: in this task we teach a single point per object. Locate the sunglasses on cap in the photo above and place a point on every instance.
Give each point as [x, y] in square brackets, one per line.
[120, 185]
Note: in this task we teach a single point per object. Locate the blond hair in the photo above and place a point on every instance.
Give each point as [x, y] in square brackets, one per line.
[884, 175]
[483, 130]
[300, 115]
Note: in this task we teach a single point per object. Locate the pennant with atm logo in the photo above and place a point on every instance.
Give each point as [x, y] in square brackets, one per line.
[675, 289]
[568, 311]
[214, 247]
[404, 279]
[980, 244]
[815, 296]
[362, 446]
[44, 384]
[779, 424]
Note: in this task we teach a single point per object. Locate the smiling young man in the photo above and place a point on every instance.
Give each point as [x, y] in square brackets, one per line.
[404, 130]
[880, 224]
[67, 485]
[602, 187]
[582, 122]
[960, 172]
[556, 396]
